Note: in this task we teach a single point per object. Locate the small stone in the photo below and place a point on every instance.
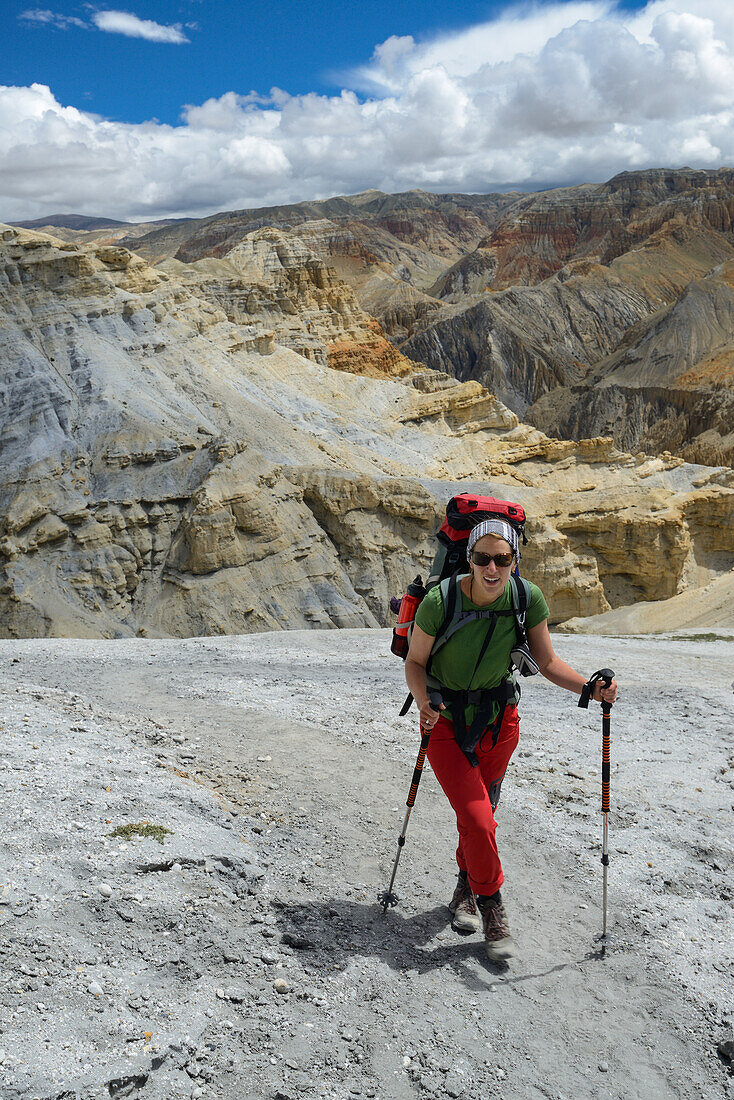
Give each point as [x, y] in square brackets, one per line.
[453, 1084]
[95, 989]
[268, 957]
[237, 995]
[197, 1092]
[280, 985]
[104, 889]
[725, 1050]
[301, 943]
[221, 994]
[603, 1067]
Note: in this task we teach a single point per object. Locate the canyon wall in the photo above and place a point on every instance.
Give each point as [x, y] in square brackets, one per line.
[539, 297]
[166, 469]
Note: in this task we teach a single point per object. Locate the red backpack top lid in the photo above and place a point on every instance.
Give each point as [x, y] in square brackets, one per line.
[466, 510]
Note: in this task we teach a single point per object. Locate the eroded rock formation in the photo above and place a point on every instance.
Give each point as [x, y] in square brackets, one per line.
[538, 297]
[670, 383]
[273, 284]
[169, 470]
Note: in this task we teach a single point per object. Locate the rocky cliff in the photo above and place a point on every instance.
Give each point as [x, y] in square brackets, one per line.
[547, 309]
[670, 382]
[273, 284]
[169, 470]
[540, 234]
[528, 294]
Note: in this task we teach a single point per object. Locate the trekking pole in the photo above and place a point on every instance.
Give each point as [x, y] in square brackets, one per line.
[388, 898]
[606, 676]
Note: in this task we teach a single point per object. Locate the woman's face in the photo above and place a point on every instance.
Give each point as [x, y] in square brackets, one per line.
[491, 578]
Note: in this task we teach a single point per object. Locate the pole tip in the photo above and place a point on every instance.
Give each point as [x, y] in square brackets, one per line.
[603, 940]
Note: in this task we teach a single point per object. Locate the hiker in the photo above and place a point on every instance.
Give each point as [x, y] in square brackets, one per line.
[476, 730]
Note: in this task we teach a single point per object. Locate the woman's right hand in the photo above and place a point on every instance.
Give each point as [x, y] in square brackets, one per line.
[429, 716]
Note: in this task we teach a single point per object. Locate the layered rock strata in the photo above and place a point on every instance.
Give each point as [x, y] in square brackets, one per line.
[273, 286]
[638, 348]
[670, 384]
[167, 470]
[527, 294]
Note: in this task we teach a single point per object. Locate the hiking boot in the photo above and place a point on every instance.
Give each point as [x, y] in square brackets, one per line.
[463, 908]
[497, 938]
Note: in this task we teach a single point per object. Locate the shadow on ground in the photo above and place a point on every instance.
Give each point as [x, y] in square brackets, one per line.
[334, 931]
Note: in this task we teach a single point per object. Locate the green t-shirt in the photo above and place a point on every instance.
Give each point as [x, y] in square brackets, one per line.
[454, 664]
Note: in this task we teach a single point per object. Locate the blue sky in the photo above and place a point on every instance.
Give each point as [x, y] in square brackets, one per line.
[145, 110]
[297, 45]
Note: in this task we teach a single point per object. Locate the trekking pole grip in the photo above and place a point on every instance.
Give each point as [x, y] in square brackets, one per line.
[606, 676]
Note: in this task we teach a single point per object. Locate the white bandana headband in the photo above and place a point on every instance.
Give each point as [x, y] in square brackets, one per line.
[494, 527]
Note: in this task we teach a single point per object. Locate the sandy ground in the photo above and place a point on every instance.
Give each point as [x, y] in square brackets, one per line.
[245, 956]
[709, 609]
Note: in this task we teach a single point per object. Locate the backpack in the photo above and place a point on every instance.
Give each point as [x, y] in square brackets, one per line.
[463, 512]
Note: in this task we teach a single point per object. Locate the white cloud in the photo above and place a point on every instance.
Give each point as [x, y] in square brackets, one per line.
[521, 30]
[51, 18]
[124, 22]
[536, 98]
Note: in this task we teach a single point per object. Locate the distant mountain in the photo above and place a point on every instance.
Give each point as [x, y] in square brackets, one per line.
[72, 221]
[540, 297]
[87, 230]
[417, 232]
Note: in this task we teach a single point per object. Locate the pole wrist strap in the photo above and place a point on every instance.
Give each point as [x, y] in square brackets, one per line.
[587, 690]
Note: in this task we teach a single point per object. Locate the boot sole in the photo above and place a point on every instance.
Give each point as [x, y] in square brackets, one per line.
[465, 929]
[501, 949]
[465, 924]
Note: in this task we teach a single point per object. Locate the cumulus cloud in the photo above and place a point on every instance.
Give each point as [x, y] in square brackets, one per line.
[544, 96]
[516, 31]
[124, 22]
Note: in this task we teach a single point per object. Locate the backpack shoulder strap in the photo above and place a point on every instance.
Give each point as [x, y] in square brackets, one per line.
[437, 567]
[520, 595]
[450, 598]
[455, 617]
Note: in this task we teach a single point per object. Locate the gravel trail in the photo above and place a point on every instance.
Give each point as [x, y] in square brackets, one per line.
[245, 956]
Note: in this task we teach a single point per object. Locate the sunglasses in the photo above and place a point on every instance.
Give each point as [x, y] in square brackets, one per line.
[500, 560]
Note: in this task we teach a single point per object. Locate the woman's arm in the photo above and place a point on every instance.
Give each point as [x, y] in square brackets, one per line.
[557, 671]
[421, 645]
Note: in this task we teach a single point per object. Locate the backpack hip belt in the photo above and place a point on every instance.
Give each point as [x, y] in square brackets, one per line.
[485, 699]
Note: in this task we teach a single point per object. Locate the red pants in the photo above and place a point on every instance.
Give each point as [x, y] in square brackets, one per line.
[474, 794]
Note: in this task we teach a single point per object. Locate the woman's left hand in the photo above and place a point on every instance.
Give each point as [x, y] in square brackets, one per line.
[607, 694]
